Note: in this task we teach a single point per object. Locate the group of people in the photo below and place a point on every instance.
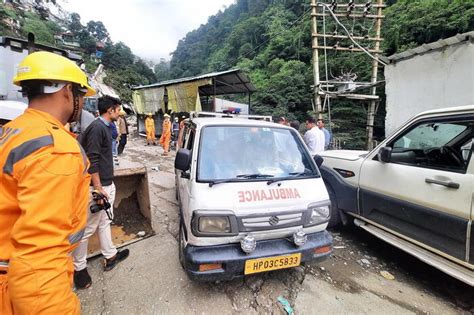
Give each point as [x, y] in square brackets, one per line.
[170, 132]
[317, 137]
[49, 185]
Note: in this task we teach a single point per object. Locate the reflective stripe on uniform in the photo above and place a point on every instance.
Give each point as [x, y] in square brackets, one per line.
[24, 150]
[3, 263]
[5, 134]
[76, 237]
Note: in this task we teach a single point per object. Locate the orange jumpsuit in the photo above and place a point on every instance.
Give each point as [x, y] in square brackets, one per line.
[150, 129]
[44, 193]
[166, 136]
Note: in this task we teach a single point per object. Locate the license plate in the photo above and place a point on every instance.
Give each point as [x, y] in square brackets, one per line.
[271, 263]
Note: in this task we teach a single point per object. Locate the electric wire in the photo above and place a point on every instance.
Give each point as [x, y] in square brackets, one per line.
[349, 35]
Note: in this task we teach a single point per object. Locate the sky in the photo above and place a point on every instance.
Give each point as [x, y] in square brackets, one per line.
[151, 28]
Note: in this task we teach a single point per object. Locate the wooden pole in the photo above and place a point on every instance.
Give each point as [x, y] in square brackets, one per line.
[375, 67]
[317, 98]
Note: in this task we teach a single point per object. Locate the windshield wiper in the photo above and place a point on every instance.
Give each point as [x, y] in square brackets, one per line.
[249, 176]
[215, 182]
[292, 175]
[239, 178]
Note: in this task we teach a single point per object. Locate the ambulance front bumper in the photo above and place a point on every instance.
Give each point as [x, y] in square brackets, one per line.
[233, 258]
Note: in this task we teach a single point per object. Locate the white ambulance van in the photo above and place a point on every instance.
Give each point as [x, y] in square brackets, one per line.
[251, 198]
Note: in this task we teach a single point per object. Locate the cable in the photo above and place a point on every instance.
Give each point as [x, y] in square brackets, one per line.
[350, 36]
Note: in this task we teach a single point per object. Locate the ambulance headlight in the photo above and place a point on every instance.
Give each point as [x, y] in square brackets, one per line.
[214, 223]
[318, 213]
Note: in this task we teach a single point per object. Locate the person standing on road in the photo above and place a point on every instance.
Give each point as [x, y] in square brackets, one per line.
[166, 135]
[114, 133]
[123, 131]
[314, 137]
[327, 134]
[98, 147]
[150, 129]
[175, 128]
[43, 189]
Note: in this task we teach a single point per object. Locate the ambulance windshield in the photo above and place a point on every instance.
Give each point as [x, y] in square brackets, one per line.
[252, 153]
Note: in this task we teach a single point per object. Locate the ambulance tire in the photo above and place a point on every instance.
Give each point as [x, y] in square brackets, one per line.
[181, 242]
[335, 219]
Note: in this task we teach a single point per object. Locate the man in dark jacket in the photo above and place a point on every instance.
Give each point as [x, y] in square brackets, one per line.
[97, 143]
[123, 131]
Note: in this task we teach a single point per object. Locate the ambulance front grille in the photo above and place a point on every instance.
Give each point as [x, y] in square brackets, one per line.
[270, 221]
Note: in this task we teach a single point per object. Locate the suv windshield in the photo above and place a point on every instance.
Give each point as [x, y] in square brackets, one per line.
[252, 153]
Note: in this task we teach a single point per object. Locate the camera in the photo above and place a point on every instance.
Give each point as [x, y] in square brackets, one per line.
[96, 207]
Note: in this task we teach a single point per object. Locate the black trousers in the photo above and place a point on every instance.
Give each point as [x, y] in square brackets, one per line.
[122, 143]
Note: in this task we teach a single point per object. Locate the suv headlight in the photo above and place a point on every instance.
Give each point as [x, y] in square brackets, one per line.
[214, 223]
[318, 213]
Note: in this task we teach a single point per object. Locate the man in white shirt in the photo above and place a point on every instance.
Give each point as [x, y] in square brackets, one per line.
[314, 137]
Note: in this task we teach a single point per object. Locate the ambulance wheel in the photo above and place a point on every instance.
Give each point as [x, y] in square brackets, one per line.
[181, 243]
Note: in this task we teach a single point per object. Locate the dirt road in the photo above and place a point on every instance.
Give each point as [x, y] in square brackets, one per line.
[151, 281]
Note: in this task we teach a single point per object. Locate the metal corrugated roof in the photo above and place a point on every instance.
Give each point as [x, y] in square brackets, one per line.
[469, 36]
[227, 82]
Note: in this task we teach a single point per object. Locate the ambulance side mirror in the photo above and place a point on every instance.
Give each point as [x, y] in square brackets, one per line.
[319, 160]
[183, 160]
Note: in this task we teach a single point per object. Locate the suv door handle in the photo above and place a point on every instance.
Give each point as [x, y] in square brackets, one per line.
[448, 184]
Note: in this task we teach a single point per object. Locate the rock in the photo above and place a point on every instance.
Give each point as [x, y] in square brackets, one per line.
[387, 275]
[365, 262]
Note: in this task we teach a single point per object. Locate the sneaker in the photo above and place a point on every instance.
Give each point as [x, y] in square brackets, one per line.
[82, 279]
[110, 263]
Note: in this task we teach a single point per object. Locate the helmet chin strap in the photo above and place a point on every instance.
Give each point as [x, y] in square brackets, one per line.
[75, 99]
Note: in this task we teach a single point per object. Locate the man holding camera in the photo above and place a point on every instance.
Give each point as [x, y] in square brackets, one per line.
[98, 146]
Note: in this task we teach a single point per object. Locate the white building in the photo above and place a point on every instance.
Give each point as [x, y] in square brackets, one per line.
[431, 76]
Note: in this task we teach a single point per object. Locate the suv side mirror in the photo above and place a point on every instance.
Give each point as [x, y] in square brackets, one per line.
[385, 154]
[183, 160]
[319, 160]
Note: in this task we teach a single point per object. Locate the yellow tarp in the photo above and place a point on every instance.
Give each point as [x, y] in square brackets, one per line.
[148, 100]
[184, 97]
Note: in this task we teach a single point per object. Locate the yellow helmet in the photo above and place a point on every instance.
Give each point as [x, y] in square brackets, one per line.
[44, 65]
[166, 115]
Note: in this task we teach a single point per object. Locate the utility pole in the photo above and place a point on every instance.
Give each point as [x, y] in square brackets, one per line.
[373, 80]
[317, 98]
[345, 11]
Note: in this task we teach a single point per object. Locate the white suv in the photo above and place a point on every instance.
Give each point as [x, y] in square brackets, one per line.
[251, 199]
[415, 190]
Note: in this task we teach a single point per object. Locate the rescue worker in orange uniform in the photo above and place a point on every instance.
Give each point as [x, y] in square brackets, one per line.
[44, 189]
[150, 129]
[166, 135]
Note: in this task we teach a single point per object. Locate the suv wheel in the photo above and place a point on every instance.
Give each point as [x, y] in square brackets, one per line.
[335, 219]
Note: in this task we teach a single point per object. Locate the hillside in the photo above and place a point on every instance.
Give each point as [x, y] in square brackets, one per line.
[271, 40]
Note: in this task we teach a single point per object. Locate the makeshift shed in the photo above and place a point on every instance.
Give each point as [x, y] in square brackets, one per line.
[187, 94]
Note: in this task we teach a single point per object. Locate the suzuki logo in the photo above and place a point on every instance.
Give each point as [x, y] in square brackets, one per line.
[274, 220]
